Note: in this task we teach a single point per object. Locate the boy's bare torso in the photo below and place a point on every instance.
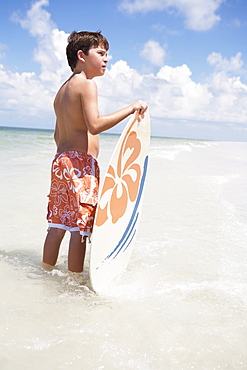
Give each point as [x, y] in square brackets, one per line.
[71, 132]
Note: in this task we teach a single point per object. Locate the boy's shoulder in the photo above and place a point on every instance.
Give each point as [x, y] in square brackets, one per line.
[76, 85]
[80, 80]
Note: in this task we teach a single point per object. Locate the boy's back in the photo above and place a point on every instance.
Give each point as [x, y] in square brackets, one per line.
[71, 131]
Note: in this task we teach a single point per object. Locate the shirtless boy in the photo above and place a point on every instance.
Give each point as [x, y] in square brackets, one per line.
[75, 171]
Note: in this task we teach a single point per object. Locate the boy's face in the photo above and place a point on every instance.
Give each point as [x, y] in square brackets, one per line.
[96, 61]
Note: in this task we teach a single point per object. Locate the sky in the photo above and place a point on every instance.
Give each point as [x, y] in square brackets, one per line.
[186, 58]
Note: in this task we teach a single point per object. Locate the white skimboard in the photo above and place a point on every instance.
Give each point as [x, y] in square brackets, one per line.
[118, 211]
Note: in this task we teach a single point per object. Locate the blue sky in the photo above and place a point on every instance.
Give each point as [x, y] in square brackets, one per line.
[188, 61]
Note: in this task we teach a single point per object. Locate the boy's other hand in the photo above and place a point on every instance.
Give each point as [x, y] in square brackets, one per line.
[140, 106]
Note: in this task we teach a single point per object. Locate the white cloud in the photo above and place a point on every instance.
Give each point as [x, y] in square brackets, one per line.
[2, 48]
[233, 65]
[27, 94]
[173, 95]
[200, 15]
[24, 94]
[51, 43]
[37, 21]
[154, 53]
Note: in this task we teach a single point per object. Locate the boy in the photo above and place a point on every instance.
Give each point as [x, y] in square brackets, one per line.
[75, 171]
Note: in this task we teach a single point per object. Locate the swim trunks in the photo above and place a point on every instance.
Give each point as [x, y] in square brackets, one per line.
[74, 192]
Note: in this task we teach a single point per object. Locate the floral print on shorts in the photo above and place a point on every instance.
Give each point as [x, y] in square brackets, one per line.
[74, 192]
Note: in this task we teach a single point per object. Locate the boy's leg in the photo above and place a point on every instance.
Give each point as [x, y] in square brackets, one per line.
[77, 251]
[51, 246]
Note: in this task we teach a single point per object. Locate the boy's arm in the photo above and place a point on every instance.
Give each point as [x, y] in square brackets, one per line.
[96, 123]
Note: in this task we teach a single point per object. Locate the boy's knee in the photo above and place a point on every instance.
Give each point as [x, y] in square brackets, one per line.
[56, 232]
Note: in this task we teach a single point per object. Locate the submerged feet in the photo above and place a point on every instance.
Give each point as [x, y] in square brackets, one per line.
[47, 267]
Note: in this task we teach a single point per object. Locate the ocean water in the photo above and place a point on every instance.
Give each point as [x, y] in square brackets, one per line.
[182, 302]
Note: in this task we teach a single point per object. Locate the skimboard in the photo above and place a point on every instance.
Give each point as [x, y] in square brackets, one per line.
[118, 211]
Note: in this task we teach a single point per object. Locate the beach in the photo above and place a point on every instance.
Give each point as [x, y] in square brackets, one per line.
[181, 303]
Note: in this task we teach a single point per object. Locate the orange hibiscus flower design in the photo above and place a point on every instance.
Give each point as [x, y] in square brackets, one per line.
[121, 184]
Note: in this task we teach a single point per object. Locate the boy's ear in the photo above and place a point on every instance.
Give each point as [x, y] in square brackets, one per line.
[81, 55]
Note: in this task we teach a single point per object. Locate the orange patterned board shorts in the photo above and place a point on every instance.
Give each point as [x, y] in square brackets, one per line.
[74, 192]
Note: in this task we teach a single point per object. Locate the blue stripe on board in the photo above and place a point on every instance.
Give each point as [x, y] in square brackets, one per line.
[128, 232]
[125, 244]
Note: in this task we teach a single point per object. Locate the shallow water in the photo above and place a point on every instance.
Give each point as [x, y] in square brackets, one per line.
[182, 302]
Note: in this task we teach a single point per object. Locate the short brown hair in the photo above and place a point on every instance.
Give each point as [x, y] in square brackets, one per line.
[84, 41]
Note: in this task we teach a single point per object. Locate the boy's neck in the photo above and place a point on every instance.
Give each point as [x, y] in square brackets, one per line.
[78, 71]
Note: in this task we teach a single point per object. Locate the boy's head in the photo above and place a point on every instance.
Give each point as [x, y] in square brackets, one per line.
[83, 41]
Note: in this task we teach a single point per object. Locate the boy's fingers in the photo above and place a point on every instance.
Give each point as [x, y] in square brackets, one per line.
[143, 108]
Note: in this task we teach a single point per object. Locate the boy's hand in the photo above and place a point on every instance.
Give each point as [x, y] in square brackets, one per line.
[140, 106]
